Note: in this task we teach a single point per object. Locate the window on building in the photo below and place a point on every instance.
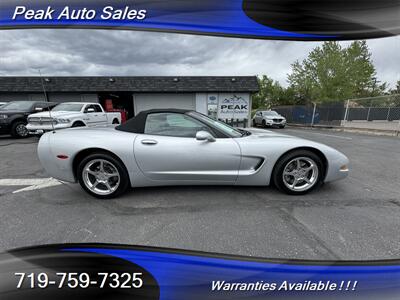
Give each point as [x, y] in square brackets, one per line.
[212, 106]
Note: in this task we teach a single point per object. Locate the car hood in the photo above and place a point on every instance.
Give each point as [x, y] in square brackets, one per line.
[55, 114]
[262, 134]
[275, 117]
[12, 112]
[263, 141]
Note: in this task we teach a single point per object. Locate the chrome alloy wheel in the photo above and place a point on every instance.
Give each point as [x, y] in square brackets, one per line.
[101, 176]
[300, 174]
[21, 130]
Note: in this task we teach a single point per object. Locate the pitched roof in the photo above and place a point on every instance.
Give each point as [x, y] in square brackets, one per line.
[131, 84]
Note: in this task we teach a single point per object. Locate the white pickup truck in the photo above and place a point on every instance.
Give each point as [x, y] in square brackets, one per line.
[71, 114]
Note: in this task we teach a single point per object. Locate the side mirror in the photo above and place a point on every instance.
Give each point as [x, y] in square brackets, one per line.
[90, 110]
[204, 136]
[38, 108]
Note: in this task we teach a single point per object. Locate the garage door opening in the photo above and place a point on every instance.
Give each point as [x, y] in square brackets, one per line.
[120, 100]
[161, 100]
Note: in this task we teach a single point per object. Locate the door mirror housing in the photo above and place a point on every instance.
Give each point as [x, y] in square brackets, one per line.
[90, 110]
[204, 136]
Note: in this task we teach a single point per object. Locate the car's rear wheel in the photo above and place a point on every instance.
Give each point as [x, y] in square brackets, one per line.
[254, 123]
[264, 124]
[298, 172]
[19, 130]
[103, 176]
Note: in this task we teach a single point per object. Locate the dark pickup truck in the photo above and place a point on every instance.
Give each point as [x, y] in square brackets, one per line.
[13, 116]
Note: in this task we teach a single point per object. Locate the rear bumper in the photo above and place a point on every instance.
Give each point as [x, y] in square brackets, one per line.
[57, 168]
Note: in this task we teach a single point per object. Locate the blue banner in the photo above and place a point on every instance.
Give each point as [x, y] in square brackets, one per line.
[171, 274]
[270, 19]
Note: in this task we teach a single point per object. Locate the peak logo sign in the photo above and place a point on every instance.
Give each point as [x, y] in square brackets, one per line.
[67, 13]
[233, 106]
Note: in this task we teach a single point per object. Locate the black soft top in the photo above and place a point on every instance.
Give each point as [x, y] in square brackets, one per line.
[137, 123]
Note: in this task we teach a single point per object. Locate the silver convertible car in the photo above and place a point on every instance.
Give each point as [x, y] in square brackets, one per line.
[181, 147]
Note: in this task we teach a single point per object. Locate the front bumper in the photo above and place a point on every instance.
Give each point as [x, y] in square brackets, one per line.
[275, 123]
[338, 167]
[40, 129]
[5, 127]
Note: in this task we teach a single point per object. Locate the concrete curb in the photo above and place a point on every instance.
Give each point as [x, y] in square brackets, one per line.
[378, 132]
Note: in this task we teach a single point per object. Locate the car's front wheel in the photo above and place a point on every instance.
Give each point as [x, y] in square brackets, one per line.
[298, 172]
[19, 130]
[103, 176]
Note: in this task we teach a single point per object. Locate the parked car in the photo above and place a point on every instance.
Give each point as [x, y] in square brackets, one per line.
[269, 118]
[71, 114]
[182, 147]
[13, 116]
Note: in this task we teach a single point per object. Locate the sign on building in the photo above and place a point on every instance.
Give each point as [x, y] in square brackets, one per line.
[233, 106]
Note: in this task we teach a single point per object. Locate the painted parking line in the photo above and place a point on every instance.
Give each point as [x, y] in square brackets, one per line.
[31, 183]
[324, 134]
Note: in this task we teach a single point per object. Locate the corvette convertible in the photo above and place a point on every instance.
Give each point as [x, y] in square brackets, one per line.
[182, 147]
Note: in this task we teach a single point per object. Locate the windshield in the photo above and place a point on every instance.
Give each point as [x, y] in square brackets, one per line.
[221, 126]
[271, 113]
[18, 105]
[68, 107]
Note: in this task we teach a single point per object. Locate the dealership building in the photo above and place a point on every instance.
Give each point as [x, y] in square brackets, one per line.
[227, 97]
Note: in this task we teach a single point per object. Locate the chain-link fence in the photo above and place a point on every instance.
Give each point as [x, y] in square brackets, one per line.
[374, 113]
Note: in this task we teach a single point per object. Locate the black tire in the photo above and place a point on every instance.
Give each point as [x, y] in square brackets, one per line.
[277, 175]
[264, 124]
[123, 174]
[282, 126]
[18, 129]
[254, 123]
[78, 124]
[115, 121]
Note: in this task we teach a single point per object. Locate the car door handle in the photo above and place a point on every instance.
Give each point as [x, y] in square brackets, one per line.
[149, 142]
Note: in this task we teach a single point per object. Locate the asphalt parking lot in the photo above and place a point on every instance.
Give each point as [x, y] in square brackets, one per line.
[354, 219]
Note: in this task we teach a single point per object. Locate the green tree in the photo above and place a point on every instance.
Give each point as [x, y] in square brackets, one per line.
[395, 100]
[360, 71]
[272, 94]
[331, 72]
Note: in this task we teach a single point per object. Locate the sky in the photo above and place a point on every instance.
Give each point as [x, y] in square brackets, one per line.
[63, 52]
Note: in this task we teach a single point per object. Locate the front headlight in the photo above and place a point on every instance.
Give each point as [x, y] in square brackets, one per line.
[3, 116]
[63, 120]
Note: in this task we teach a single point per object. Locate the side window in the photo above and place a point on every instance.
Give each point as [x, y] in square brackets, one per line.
[90, 106]
[173, 124]
[47, 106]
[97, 108]
[40, 106]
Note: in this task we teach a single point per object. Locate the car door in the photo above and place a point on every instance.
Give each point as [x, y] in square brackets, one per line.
[96, 117]
[169, 151]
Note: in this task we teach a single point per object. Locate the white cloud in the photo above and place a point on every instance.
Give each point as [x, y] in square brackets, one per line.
[107, 52]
